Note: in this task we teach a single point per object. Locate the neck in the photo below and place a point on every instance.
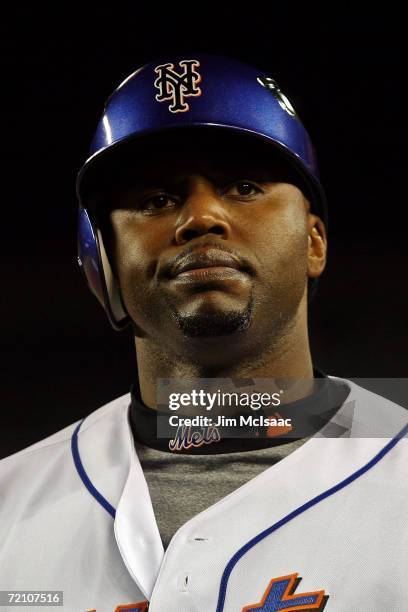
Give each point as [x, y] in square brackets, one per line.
[288, 358]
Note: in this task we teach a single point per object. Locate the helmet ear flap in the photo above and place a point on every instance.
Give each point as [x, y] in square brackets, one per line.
[112, 287]
[95, 265]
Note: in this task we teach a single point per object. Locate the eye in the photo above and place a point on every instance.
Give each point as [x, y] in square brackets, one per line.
[159, 201]
[243, 188]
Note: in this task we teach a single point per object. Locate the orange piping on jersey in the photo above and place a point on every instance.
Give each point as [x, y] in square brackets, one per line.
[142, 605]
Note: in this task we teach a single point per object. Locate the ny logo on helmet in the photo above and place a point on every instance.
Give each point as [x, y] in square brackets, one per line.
[175, 87]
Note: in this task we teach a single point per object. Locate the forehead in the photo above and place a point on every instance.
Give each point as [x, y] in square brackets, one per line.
[176, 154]
[215, 164]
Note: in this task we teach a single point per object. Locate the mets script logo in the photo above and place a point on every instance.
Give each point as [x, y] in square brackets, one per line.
[186, 438]
[280, 596]
[175, 87]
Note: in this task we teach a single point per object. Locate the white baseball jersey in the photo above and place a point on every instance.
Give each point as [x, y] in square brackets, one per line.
[326, 527]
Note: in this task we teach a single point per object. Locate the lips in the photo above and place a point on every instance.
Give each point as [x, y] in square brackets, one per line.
[210, 258]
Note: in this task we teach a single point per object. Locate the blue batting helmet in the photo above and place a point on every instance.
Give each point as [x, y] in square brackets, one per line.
[191, 91]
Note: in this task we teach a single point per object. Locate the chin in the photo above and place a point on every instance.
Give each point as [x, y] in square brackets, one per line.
[211, 324]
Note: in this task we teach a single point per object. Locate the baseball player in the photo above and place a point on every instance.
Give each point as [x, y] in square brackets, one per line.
[203, 226]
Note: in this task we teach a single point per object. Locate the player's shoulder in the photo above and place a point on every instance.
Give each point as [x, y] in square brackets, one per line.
[60, 442]
[369, 414]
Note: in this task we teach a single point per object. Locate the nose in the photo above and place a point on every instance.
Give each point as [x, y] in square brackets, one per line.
[202, 213]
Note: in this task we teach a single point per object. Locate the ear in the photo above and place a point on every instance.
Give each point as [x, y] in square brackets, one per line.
[317, 246]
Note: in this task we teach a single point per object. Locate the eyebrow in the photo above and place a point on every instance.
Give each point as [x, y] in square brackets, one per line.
[175, 179]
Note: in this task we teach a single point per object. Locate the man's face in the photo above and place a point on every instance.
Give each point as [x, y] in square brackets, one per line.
[209, 239]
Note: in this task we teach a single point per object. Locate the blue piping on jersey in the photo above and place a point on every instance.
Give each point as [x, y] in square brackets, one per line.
[312, 502]
[84, 476]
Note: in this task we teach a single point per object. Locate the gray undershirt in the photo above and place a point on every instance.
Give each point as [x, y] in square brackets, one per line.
[183, 485]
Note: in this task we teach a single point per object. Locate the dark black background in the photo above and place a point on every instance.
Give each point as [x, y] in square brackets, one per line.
[343, 71]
